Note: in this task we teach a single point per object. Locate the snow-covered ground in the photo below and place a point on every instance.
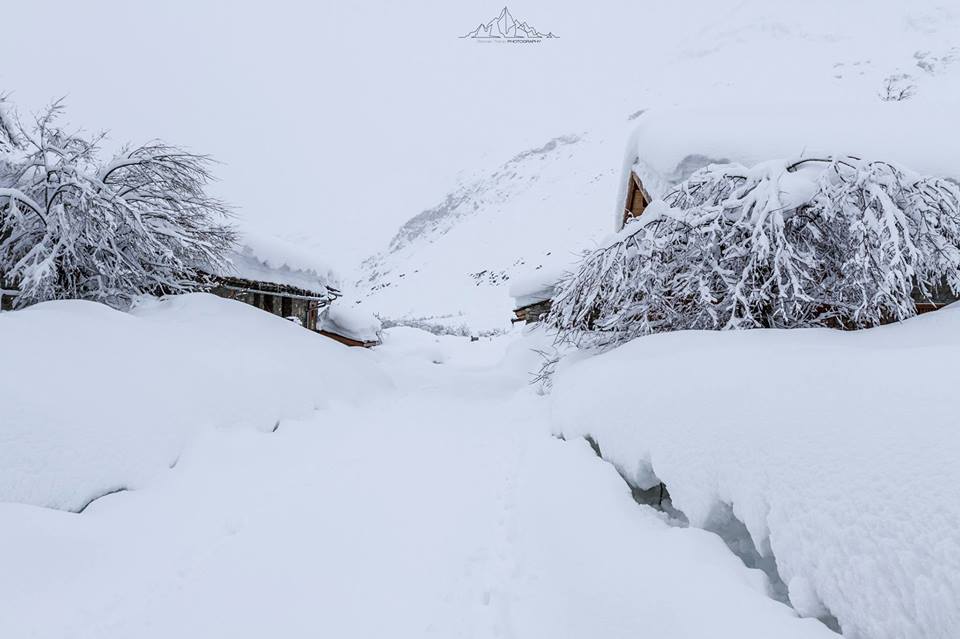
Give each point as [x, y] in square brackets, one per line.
[836, 450]
[280, 484]
[94, 400]
[440, 506]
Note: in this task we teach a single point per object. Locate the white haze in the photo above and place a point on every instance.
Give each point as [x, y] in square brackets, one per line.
[338, 121]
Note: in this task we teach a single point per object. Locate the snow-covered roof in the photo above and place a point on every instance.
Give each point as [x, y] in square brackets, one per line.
[346, 318]
[269, 259]
[667, 146]
[537, 282]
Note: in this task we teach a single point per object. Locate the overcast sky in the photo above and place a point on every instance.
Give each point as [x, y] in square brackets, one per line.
[335, 121]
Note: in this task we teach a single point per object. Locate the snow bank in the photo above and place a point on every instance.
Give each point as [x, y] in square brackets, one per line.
[344, 317]
[488, 528]
[94, 400]
[836, 450]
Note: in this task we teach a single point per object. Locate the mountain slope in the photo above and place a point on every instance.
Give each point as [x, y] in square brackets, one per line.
[450, 263]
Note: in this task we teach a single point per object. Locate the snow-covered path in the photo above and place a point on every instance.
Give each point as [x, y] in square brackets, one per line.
[443, 509]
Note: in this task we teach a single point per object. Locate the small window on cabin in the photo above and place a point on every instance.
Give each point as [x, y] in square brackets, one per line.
[286, 306]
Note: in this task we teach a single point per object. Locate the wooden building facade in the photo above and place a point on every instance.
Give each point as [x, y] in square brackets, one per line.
[531, 313]
[637, 199]
[296, 304]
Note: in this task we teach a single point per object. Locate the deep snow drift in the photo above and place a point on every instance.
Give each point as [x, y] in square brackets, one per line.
[95, 400]
[442, 508]
[837, 450]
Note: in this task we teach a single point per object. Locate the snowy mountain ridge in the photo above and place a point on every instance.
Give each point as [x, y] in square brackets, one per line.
[439, 219]
[493, 227]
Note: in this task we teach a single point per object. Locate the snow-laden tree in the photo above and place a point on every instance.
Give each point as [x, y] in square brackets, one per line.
[838, 242]
[73, 226]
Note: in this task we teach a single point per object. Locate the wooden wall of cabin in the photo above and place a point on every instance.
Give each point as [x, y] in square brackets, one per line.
[940, 297]
[637, 198]
[305, 311]
[533, 312]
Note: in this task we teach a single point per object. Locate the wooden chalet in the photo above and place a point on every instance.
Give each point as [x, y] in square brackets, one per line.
[531, 312]
[667, 147]
[302, 295]
[299, 305]
[637, 199]
[297, 293]
[274, 277]
[533, 291]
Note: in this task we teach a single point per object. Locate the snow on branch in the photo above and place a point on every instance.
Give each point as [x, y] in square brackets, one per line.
[72, 226]
[839, 242]
[8, 136]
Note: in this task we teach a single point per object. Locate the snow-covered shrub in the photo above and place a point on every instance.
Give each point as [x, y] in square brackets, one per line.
[897, 88]
[837, 242]
[73, 226]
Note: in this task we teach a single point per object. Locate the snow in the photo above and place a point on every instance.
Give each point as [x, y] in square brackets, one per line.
[96, 400]
[440, 506]
[265, 258]
[245, 264]
[535, 283]
[668, 145]
[455, 263]
[344, 317]
[784, 244]
[836, 450]
[749, 81]
[417, 489]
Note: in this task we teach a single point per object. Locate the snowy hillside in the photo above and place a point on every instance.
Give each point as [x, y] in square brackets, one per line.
[451, 264]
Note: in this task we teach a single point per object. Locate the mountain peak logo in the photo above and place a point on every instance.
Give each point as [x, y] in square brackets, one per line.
[507, 29]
